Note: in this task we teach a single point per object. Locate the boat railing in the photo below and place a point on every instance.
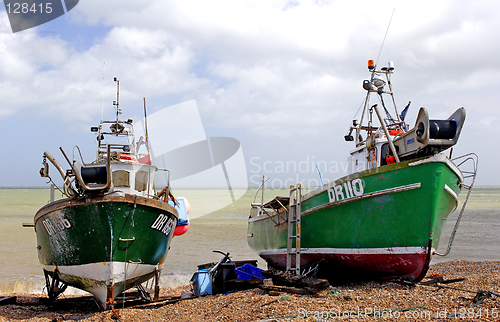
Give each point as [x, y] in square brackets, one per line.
[77, 170]
[461, 161]
[165, 191]
[76, 147]
[117, 149]
[118, 128]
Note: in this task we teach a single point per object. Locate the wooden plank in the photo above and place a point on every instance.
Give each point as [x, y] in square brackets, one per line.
[285, 289]
[311, 284]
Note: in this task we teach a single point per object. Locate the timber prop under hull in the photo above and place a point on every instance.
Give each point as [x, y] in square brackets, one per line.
[381, 223]
[104, 244]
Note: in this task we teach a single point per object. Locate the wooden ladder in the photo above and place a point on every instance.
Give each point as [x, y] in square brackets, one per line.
[294, 222]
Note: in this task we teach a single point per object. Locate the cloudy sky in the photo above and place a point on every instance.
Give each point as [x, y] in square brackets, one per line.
[282, 77]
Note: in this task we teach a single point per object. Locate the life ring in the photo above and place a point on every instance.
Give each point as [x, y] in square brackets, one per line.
[127, 157]
[395, 132]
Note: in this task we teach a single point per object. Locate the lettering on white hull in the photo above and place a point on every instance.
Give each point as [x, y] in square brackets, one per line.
[347, 190]
[163, 224]
[55, 224]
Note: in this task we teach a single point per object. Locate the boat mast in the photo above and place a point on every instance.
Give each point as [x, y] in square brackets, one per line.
[371, 67]
[376, 84]
[147, 146]
[117, 102]
[388, 76]
[263, 183]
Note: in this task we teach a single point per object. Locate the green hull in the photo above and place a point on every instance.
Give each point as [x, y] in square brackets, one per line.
[108, 241]
[394, 213]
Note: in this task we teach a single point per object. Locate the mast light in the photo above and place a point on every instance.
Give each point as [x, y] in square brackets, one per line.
[371, 64]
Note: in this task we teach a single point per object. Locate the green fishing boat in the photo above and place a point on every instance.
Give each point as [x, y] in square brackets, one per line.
[384, 219]
[112, 232]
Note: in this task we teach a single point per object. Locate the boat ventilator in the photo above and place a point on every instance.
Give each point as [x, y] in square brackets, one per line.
[294, 221]
[461, 161]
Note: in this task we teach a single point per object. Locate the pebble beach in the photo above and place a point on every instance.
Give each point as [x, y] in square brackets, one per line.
[475, 298]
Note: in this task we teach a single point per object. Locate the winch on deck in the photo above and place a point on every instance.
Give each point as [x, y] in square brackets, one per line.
[430, 136]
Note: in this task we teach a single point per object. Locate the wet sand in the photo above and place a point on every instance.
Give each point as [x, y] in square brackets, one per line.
[362, 301]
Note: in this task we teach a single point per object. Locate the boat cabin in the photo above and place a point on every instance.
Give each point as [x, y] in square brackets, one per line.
[372, 153]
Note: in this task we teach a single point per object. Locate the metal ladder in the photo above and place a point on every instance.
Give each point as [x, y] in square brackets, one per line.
[294, 221]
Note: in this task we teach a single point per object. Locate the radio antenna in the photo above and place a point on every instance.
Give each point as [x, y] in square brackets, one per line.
[102, 90]
[383, 41]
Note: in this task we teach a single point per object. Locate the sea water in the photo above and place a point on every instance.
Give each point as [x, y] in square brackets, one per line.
[217, 224]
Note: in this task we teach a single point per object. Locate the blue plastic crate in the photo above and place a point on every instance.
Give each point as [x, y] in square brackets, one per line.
[248, 272]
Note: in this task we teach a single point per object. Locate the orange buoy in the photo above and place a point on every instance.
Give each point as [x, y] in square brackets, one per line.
[181, 230]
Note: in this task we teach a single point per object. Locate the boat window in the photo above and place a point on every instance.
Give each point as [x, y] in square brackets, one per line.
[121, 178]
[141, 180]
